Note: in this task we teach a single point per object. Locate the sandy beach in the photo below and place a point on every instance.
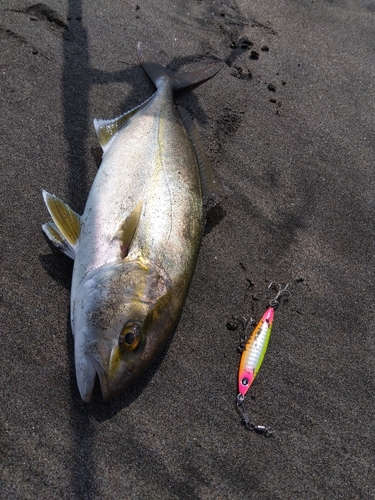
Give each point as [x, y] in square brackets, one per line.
[288, 125]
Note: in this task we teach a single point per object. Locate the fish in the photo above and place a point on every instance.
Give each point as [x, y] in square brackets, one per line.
[136, 244]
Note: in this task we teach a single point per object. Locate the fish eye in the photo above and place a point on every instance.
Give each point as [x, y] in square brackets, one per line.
[130, 337]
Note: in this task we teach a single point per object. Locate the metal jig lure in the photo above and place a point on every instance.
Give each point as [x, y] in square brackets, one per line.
[252, 358]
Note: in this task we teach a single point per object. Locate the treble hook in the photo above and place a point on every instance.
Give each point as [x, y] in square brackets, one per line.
[282, 291]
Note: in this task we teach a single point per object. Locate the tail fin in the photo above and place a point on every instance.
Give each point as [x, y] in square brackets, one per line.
[158, 73]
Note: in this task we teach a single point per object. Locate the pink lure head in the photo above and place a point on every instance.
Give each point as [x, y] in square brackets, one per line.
[268, 315]
[245, 379]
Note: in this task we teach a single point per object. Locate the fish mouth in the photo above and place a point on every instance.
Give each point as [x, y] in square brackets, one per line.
[96, 355]
[100, 357]
[103, 378]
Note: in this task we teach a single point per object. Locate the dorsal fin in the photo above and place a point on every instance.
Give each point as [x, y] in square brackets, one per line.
[212, 189]
[64, 233]
[106, 129]
[127, 229]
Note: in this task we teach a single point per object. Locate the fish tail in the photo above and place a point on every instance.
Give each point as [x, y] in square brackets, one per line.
[158, 73]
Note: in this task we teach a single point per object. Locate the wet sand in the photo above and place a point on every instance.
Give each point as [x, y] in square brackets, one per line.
[288, 125]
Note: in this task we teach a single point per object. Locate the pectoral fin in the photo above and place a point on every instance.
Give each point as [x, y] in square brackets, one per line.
[127, 229]
[65, 229]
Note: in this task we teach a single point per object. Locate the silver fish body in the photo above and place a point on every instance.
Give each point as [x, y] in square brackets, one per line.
[137, 241]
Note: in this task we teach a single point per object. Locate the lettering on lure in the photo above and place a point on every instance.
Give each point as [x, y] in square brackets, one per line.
[252, 358]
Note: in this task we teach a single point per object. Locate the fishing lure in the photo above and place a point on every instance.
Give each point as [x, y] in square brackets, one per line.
[252, 358]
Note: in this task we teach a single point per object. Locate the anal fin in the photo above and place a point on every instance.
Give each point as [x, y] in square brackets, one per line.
[65, 229]
[107, 129]
[53, 234]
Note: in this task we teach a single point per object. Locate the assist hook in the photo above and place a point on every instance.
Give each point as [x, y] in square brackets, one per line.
[282, 291]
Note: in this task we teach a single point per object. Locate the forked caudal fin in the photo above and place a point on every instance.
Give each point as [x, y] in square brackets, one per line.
[107, 129]
[157, 72]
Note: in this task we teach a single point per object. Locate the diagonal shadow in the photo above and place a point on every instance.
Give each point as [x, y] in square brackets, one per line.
[75, 100]
[75, 97]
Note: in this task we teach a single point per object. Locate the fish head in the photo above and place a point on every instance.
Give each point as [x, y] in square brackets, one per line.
[120, 317]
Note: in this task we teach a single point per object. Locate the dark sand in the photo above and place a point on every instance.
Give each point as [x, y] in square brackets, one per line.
[289, 126]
